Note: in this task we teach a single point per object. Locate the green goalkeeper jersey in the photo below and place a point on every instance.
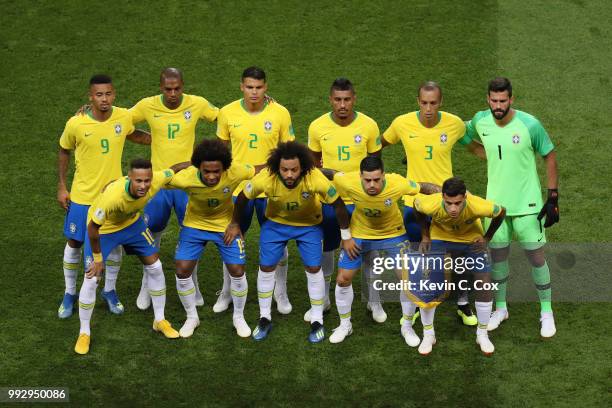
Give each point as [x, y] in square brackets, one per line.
[511, 164]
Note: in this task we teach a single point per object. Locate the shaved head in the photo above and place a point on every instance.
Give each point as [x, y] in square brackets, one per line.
[171, 73]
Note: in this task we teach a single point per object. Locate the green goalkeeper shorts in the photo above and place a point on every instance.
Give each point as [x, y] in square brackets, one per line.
[526, 229]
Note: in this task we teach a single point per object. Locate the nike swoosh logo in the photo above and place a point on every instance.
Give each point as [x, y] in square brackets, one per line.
[485, 134]
[155, 115]
[539, 239]
[238, 125]
[88, 134]
[325, 139]
[412, 136]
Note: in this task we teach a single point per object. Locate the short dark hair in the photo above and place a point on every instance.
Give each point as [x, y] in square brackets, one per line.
[500, 84]
[371, 163]
[171, 73]
[140, 163]
[291, 150]
[255, 73]
[212, 150]
[453, 187]
[100, 79]
[429, 86]
[341, 84]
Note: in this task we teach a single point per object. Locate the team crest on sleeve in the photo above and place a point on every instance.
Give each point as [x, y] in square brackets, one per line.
[117, 129]
[443, 138]
[331, 191]
[268, 125]
[187, 115]
[99, 213]
[516, 139]
[167, 173]
[226, 189]
[305, 195]
[146, 218]
[73, 227]
[357, 138]
[249, 187]
[388, 202]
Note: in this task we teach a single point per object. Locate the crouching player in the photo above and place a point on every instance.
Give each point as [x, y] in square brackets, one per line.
[114, 219]
[455, 228]
[294, 188]
[376, 224]
[209, 183]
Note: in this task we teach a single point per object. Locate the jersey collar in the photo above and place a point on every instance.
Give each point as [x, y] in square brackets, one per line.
[381, 190]
[127, 190]
[88, 111]
[243, 105]
[161, 98]
[331, 116]
[418, 114]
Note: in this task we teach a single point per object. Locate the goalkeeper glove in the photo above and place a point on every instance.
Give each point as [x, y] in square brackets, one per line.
[550, 208]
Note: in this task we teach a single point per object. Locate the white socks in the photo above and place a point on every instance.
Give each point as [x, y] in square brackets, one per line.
[368, 263]
[113, 264]
[239, 289]
[427, 318]
[226, 281]
[157, 288]
[265, 289]
[281, 274]
[408, 309]
[316, 292]
[72, 260]
[344, 301]
[327, 265]
[483, 312]
[87, 301]
[186, 291]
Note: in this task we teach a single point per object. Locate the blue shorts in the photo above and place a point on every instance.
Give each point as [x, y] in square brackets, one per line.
[331, 229]
[413, 229]
[392, 246]
[274, 237]
[157, 211]
[192, 242]
[471, 261]
[136, 240]
[75, 222]
[257, 204]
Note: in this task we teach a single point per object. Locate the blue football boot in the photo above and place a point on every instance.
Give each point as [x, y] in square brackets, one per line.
[262, 330]
[67, 306]
[114, 305]
[317, 333]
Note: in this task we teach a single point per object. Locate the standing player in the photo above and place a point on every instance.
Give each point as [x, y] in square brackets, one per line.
[511, 139]
[210, 182]
[428, 136]
[114, 219]
[456, 229]
[172, 118]
[294, 188]
[97, 138]
[339, 141]
[254, 127]
[376, 224]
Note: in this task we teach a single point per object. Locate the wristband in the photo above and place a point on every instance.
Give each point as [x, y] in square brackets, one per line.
[345, 234]
[97, 257]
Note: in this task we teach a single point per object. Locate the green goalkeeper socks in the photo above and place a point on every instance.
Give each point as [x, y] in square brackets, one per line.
[500, 276]
[541, 278]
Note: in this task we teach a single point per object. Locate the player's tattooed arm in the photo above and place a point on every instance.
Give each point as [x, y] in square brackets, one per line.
[63, 160]
[233, 229]
[139, 136]
[423, 221]
[180, 166]
[430, 188]
[97, 265]
[477, 149]
[348, 243]
[329, 173]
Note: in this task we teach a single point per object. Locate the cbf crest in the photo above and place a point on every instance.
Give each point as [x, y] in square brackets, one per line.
[187, 115]
[267, 126]
[443, 138]
[73, 227]
[305, 195]
[358, 139]
[388, 202]
[516, 139]
[117, 129]
[226, 189]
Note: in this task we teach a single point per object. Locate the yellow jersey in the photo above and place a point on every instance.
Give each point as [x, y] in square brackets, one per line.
[428, 150]
[172, 130]
[97, 151]
[210, 208]
[378, 216]
[298, 206]
[116, 209]
[466, 227]
[343, 147]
